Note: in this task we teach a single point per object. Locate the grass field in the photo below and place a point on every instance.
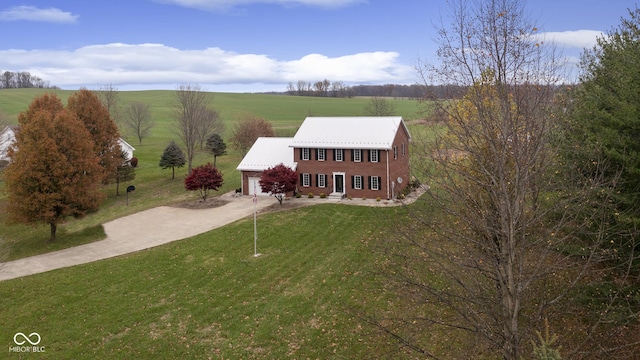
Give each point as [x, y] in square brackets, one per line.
[208, 298]
[154, 186]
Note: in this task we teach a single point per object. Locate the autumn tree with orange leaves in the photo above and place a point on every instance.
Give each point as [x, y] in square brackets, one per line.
[54, 172]
[102, 130]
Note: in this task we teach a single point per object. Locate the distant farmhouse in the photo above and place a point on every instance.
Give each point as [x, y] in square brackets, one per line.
[8, 137]
[360, 157]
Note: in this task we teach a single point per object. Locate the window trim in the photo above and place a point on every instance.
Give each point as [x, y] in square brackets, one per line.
[306, 180]
[321, 180]
[321, 154]
[374, 183]
[357, 155]
[305, 154]
[374, 156]
[357, 180]
[338, 154]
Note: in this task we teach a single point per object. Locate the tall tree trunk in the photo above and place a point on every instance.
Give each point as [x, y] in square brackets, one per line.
[53, 227]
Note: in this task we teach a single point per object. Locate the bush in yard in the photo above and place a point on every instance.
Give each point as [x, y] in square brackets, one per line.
[203, 179]
[134, 161]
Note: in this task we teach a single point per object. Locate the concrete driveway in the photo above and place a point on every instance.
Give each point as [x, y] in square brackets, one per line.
[137, 232]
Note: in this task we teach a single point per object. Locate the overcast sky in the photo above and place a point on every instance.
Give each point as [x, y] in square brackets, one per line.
[251, 45]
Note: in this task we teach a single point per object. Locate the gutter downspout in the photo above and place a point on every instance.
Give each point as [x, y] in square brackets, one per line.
[388, 196]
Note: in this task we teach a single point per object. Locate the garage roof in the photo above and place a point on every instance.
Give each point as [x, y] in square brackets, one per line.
[268, 152]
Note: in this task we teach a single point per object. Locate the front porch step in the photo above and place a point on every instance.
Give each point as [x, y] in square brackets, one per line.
[336, 196]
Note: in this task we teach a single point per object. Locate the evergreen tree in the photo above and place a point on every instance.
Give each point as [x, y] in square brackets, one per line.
[605, 125]
[216, 145]
[172, 157]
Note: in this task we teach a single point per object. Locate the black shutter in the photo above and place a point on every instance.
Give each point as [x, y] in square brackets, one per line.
[353, 157]
[369, 181]
[316, 151]
[301, 180]
[353, 182]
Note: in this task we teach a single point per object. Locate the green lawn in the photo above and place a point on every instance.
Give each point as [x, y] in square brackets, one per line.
[154, 186]
[207, 297]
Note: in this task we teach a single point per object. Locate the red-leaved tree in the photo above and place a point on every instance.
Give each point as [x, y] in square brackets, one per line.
[202, 179]
[278, 180]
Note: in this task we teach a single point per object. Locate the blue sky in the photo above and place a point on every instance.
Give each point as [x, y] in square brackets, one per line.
[251, 45]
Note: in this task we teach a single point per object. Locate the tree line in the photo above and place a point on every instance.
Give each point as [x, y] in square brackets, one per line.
[23, 80]
[327, 88]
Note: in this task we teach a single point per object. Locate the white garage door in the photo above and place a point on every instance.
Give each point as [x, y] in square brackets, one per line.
[254, 181]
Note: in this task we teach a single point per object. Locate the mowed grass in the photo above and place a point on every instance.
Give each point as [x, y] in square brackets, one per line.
[208, 297]
[154, 186]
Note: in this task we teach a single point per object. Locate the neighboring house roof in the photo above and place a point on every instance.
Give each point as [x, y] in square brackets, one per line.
[126, 147]
[8, 137]
[355, 132]
[268, 152]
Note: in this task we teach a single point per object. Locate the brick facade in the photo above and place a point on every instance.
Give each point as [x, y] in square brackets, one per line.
[375, 175]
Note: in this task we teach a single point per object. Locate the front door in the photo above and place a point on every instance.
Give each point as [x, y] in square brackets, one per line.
[338, 183]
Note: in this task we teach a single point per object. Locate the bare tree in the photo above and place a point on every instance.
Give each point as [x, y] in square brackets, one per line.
[490, 255]
[109, 95]
[137, 118]
[379, 106]
[195, 120]
[247, 130]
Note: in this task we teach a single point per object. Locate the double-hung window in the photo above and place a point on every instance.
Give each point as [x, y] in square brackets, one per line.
[357, 182]
[338, 154]
[306, 180]
[374, 182]
[304, 155]
[395, 152]
[321, 155]
[357, 155]
[322, 180]
[373, 155]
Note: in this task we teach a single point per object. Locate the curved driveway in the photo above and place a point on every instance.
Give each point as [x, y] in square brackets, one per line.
[137, 232]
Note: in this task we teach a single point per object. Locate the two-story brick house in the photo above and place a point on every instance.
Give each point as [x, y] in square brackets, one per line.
[352, 156]
[361, 157]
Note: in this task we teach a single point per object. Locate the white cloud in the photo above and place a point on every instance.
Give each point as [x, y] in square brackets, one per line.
[229, 4]
[159, 66]
[572, 39]
[32, 13]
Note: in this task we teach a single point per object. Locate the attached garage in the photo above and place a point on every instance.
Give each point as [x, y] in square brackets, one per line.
[265, 153]
[254, 186]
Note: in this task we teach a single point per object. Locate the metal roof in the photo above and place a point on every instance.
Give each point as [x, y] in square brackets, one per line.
[354, 132]
[268, 152]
